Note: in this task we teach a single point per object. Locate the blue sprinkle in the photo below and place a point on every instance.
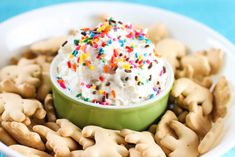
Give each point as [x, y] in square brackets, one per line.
[101, 51]
[110, 41]
[136, 55]
[75, 52]
[121, 42]
[92, 34]
[145, 54]
[151, 96]
[155, 89]
[147, 41]
[141, 37]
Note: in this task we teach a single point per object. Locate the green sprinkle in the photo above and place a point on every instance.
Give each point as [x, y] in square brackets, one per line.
[76, 42]
[86, 99]
[79, 95]
[87, 40]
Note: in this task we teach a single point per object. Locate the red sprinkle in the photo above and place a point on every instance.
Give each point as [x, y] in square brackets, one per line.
[112, 59]
[103, 44]
[115, 53]
[78, 59]
[129, 49]
[130, 35]
[69, 64]
[101, 78]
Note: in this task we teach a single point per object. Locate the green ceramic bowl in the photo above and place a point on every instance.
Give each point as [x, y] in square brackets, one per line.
[137, 117]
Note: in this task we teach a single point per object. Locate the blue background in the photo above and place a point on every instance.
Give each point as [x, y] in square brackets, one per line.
[217, 14]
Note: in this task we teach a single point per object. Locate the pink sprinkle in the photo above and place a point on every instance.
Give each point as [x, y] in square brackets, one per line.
[95, 46]
[82, 83]
[104, 103]
[108, 35]
[161, 72]
[148, 61]
[88, 86]
[132, 63]
[62, 85]
[78, 47]
[96, 36]
[85, 48]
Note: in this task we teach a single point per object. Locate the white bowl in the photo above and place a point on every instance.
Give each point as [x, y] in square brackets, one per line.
[24, 29]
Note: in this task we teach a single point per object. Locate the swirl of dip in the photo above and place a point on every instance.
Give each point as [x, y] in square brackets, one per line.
[112, 64]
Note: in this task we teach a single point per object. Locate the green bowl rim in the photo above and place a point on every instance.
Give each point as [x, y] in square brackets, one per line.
[163, 93]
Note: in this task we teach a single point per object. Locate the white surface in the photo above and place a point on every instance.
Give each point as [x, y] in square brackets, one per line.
[56, 20]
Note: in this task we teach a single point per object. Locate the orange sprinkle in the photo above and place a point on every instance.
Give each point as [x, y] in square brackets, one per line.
[106, 69]
[87, 63]
[113, 65]
[75, 67]
[156, 54]
[113, 93]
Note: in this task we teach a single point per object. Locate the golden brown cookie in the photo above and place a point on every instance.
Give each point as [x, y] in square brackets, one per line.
[21, 133]
[185, 144]
[144, 143]
[221, 94]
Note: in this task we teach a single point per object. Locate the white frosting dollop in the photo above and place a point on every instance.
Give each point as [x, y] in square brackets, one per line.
[113, 64]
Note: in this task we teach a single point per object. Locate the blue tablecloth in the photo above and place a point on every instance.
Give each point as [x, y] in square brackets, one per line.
[217, 14]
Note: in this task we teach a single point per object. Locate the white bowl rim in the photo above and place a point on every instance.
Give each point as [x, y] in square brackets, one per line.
[222, 39]
[166, 90]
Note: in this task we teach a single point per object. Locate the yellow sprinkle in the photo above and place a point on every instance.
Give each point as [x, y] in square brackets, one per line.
[156, 53]
[93, 87]
[119, 60]
[82, 47]
[97, 39]
[91, 67]
[81, 58]
[140, 56]
[70, 56]
[101, 91]
[126, 66]
[86, 55]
